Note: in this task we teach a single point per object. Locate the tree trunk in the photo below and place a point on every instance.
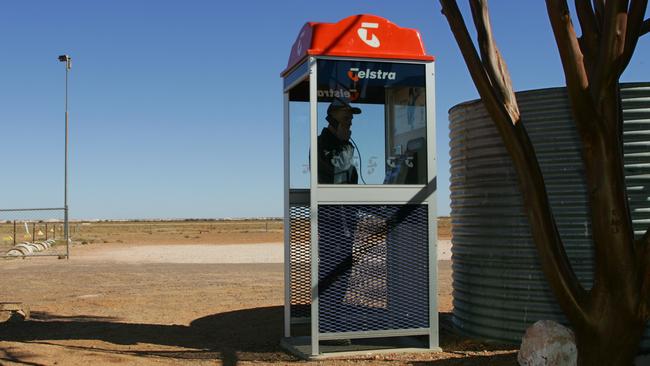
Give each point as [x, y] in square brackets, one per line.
[609, 319]
[613, 326]
[611, 340]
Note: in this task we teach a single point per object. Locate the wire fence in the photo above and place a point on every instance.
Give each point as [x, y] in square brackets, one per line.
[34, 232]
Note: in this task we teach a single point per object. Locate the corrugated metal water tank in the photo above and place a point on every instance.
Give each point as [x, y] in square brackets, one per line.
[499, 289]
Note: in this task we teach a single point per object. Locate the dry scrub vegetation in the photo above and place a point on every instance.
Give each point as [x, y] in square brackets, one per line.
[144, 232]
[162, 232]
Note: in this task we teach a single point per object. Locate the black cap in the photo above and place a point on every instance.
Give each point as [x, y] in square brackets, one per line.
[339, 104]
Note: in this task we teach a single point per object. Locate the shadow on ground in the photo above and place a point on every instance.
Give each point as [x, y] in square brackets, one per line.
[483, 360]
[251, 334]
[243, 335]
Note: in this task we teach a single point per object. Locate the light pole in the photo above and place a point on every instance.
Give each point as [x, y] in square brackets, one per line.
[68, 65]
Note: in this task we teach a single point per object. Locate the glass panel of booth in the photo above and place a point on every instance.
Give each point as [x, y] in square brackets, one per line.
[371, 123]
[299, 141]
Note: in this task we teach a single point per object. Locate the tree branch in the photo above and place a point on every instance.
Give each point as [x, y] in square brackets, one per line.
[567, 41]
[599, 11]
[633, 32]
[587, 17]
[493, 62]
[555, 263]
[575, 72]
[595, 107]
[612, 44]
[589, 26]
[473, 61]
[645, 28]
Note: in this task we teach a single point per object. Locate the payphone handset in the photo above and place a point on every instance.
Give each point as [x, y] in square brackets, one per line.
[406, 143]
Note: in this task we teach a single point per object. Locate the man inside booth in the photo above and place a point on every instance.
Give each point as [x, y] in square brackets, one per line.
[336, 166]
[335, 152]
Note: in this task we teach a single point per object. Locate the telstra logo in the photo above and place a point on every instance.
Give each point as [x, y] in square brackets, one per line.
[351, 94]
[366, 36]
[355, 75]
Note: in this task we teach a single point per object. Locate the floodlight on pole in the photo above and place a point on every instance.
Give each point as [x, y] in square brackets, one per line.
[67, 59]
[68, 65]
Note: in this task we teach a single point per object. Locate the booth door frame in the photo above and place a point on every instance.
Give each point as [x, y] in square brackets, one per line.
[297, 75]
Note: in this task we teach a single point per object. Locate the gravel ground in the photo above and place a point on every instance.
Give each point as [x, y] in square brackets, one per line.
[190, 304]
[199, 253]
[188, 253]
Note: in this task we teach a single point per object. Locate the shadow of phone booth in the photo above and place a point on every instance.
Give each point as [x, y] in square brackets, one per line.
[359, 192]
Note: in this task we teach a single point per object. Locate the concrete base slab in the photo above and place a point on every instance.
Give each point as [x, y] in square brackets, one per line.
[301, 347]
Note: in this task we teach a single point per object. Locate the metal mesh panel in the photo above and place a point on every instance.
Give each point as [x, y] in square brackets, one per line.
[300, 259]
[373, 268]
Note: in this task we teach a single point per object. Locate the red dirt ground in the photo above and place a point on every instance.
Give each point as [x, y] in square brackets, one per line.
[89, 311]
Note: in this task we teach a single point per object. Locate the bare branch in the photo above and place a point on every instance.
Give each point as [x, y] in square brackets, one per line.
[612, 44]
[573, 63]
[555, 263]
[634, 25]
[567, 41]
[645, 28]
[589, 26]
[493, 62]
[587, 17]
[599, 11]
[468, 50]
[595, 105]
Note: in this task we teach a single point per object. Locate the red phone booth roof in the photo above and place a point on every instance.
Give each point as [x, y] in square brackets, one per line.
[361, 36]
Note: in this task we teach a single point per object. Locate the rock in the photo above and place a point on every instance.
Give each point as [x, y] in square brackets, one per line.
[13, 311]
[548, 343]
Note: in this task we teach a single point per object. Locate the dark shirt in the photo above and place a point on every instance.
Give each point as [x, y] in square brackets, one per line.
[335, 160]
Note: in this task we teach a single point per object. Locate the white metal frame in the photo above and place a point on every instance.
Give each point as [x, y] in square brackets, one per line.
[314, 197]
[360, 194]
[287, 221]
[287, 198]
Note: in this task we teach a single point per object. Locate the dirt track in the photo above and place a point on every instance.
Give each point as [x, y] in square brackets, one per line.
[141, 308]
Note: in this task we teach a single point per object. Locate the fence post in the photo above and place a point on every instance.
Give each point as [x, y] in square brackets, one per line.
[14, 232]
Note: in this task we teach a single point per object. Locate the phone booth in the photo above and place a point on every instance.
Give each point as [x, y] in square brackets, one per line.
[359, 193]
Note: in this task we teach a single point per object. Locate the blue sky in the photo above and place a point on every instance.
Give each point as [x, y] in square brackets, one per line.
[176, 107]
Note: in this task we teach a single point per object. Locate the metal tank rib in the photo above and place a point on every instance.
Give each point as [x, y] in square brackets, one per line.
[499, 289]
